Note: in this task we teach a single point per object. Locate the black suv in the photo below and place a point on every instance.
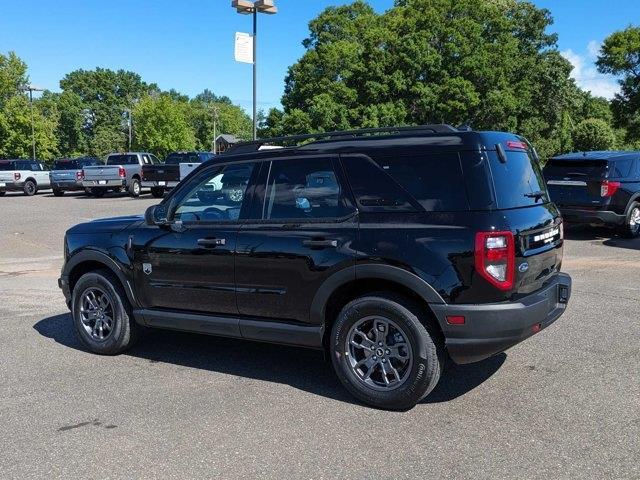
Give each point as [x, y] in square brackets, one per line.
[390, 249]
[597, 188]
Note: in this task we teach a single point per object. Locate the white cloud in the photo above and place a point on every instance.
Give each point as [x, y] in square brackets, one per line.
[586, 74]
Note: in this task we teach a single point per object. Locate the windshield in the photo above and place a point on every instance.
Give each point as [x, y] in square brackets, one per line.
[518, 182]
[177, 158]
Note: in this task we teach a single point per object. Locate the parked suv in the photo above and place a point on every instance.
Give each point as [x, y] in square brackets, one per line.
[27, 176]
[390, 249]
[597, 188]
[66, 174]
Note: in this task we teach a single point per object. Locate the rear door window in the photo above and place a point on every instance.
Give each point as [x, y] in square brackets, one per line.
[517, 180]
[622, 168]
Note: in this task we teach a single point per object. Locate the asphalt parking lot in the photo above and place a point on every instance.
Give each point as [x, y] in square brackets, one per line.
[564, 404]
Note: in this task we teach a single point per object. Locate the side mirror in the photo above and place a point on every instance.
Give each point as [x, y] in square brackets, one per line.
[156, 215]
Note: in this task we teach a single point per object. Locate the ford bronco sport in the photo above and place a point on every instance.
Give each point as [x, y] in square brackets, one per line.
[390, 249]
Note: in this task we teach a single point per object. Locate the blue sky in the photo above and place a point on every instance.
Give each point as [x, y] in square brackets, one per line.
[188, 44]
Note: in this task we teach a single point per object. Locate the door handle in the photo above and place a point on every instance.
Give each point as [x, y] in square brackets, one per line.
[212, 242]
[320, 243]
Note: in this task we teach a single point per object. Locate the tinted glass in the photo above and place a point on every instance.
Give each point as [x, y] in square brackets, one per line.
[216, 196]
[177, 158]
[515, 180]
[374, 190]
[89, 162]
[66, 165]
[575, 168]
[303, 189]
[6, 166]
[122, 160]
[434, 181]
[622, 168]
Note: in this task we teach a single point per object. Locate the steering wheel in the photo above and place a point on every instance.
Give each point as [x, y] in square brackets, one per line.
[212, 213]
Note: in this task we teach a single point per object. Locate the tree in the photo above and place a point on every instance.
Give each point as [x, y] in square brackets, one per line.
[13, 74]
[620, 55]
[15, 129]
[593, 134]
[230, 118]
[72, 129]
[488, 63]
[161, 125]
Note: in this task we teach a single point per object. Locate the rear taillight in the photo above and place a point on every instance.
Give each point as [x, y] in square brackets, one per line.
[122, 172]
[16, 175]
[80, 175]
[495, 258]
[608, 188]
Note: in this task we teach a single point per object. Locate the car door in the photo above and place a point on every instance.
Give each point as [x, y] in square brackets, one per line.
[190, 266]
[41, 173]
[302, 227]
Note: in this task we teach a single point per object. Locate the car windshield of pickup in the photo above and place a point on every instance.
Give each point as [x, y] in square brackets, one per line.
[178, 158]
[122, 160]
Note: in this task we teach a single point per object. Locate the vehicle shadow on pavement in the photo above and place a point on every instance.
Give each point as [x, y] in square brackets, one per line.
[298, 367]
[585, 233]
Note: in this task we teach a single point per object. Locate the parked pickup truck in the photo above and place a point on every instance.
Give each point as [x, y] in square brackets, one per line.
[27, 176]
[176, 167]
[122, 172]
[66, 174]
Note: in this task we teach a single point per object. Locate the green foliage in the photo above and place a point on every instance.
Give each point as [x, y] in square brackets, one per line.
[229, 118]
[161, 125]
[15, 129]
[13, 74]
[620, 55]
[593, 134]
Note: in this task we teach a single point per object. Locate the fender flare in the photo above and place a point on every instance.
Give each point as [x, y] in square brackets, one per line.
[369, 272]
[634, 198]
[117, 268]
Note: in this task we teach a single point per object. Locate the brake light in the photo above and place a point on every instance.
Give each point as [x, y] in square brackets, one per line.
[495, 258]
[122, 172]
[16, 176]
[517, 145]
[80, 175]
[608, 188]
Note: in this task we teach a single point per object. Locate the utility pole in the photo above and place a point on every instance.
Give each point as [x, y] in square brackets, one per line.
[31, 89]
[215, 129]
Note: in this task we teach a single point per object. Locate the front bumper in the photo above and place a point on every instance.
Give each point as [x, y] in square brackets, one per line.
[63, 284]
[160, 184]
[592, 217]
[493, 328]
[104, 183]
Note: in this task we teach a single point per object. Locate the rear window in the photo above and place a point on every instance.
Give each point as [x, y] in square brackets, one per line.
[177, 158]
[122, 160]
[575, 168]
[6, 166]
[517, 180]
[66, 165]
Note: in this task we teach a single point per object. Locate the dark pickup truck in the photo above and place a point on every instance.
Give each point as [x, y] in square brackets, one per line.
[177, 166]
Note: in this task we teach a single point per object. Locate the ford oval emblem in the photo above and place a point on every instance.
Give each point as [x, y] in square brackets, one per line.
[523, 267]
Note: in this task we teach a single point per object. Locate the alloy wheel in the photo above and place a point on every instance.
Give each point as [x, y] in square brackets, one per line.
[379, 353]
[634, 219]
[96, 313]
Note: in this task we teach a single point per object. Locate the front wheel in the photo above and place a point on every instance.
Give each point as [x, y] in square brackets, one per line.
[631, 227]
[383, 354]
[157, 192]
[30, 188]
[3, 193]
[102, 314]
[134, 188]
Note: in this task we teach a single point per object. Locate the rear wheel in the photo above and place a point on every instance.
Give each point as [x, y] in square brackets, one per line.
[30, 188]
[134, 188]
[2, 194]
[631, 227]
[57, 192]
[157, 192]
[383, 354]
[102, 314]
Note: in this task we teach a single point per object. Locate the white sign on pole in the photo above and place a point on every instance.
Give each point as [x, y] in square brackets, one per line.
[244, 47]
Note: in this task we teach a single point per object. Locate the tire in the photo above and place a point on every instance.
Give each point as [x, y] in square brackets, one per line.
[2, 194]
[30, 188]
[631, 227]
[414, 379]
[58, 193]
[157, 192]
[121, 332]
[134, 188]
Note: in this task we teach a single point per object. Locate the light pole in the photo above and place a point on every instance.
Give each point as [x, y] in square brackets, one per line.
[248, 7]
[129, 124]
[215, 129]
[31, 89]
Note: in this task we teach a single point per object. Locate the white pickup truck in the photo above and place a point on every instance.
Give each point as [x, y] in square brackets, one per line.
[122, 171]
[27, 176]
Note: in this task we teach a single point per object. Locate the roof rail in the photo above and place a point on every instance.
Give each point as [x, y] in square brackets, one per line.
[254, 145]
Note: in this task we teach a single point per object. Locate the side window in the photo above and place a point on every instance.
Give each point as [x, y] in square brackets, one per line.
[622, 168]
[217, 195]
[374, 190]
[154, 160]
[35, 167]
[304, 189]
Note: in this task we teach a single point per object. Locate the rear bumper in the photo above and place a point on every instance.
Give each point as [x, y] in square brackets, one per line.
[11, 186]
[67, 185]
[107, 183]
[591, 217]
[493, 328]
[158, 184]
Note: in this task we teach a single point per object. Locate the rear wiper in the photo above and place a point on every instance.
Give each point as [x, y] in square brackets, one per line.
[536, 195]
